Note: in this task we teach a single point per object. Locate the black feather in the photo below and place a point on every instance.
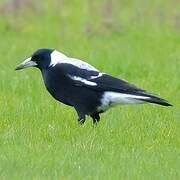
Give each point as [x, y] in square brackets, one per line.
[156, 100]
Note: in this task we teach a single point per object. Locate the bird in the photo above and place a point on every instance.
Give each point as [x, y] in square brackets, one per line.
[76, 83]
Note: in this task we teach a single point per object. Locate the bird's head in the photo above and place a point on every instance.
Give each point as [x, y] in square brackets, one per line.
[40, 59]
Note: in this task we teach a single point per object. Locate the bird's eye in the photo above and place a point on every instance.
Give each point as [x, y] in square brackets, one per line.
[35, 58]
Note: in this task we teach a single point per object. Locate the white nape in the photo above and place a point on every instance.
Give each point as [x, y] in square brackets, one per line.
[85, 81]
[110, 99]
[58, 57]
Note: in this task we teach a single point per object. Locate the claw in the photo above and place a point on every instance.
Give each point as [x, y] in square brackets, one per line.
[81, 121]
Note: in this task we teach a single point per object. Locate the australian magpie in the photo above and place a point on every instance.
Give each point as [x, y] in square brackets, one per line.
[80, 85]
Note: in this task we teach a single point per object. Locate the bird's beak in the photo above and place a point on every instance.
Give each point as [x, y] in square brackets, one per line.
[27, 63]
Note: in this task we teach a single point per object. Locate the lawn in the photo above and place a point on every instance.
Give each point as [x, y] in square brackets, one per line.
[139, 42]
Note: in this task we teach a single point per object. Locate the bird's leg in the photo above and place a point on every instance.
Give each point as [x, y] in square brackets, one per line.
[95, 117]
[81, 116]
[81, 120]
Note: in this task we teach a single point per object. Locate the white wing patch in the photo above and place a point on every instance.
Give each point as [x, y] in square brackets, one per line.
[94, 77]
[57, 58]
[85, 81]
[110, 99]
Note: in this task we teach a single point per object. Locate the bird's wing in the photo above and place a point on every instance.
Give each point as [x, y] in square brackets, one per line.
[92, 78]
[109, 83]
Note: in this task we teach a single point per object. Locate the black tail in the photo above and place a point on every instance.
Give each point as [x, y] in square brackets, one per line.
[156, 100]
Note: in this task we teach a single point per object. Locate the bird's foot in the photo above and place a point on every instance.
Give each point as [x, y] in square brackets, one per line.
[81, 121]
[96, 118]
[95, 122]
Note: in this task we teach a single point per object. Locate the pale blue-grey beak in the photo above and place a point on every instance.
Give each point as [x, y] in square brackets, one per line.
[27, 63]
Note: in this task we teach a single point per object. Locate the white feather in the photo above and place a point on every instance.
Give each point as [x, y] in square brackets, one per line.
[94, 77]
[81, 64]
[85, 81]
[110, 99]
[57, 58]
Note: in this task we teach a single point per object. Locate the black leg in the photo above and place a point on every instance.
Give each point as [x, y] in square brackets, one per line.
[81, 120]
[81, 116]
[95, 117]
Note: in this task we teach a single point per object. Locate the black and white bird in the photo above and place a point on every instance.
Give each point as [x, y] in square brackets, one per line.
[80, 85]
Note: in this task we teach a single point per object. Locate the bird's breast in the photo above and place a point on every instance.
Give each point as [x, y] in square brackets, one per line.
[57, 86]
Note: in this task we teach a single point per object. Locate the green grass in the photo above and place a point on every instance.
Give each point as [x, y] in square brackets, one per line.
[40, 138]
